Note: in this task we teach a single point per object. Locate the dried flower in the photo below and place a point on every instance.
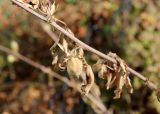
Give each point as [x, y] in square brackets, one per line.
[74, 66]
[89, 80]
[116, 74]
[47, 7]
[102, 71]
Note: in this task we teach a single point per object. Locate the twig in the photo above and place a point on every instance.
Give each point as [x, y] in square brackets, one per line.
[85, 46]
[48, 71]
[48, 30]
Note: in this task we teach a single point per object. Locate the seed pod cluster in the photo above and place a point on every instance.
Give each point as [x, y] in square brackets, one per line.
[71, 59]
[115, 74]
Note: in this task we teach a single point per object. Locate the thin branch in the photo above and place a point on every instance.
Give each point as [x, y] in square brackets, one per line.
[48, 30]
[85, 46]
[48, 71]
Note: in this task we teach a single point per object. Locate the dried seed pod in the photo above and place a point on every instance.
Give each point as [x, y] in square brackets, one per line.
[74, 66]
[89, 80]
[116, 74]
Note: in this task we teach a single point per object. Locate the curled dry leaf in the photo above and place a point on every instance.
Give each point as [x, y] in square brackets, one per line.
[122, 73]
[89, 80]
[119, 83]
[63, 45]
[97, 67]
[102, 71]
[80, 53]
[47, 8]
[115, 74]
[110, 80]
[58, 55]
[129, 85]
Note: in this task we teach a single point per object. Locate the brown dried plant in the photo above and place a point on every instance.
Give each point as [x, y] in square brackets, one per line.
[115, 74]
[70, 57]
[68, 54]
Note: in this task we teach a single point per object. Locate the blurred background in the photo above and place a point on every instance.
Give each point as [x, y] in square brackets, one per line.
[130, 28]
